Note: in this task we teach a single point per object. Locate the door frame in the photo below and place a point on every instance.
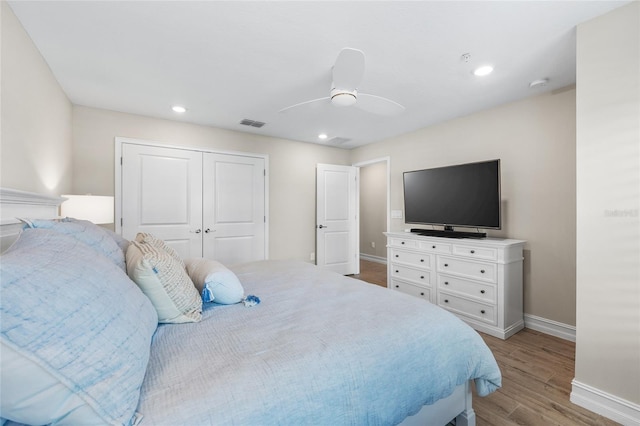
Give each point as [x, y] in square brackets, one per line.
[361, 164]
[120, 141]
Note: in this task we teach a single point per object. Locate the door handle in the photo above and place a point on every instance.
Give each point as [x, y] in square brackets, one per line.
[206, 231]
[197, 231]
[322, 226]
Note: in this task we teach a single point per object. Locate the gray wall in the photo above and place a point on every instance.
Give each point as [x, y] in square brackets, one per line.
[292, 167]
[36, 116]
[608, 199]
[535, 140]
[373, 209]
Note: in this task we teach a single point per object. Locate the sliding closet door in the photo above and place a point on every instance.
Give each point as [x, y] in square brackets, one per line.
[234, 208]
[162, 195]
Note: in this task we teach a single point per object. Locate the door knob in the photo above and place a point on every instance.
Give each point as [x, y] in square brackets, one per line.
[197, 231]
[206, 231]
[322, 226]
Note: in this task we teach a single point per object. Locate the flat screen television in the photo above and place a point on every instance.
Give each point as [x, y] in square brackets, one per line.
[466, 195]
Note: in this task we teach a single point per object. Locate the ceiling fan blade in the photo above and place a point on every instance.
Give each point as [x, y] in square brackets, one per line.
[348, 69]
[287, 109]
[378, 105]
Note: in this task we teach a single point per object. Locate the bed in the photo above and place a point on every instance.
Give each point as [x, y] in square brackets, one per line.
[319, 348]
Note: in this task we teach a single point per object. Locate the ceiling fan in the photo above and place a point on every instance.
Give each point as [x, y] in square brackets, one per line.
[348, 72]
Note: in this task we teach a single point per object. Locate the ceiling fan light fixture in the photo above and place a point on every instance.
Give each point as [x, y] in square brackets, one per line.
[343, 97]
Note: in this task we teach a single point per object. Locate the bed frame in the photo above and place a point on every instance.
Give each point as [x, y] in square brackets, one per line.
[456, 406]
[15, 204]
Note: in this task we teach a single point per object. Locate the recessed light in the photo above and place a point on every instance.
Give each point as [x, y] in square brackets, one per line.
[538, 83]
[322, 136]
[178, 108]
[483, 70]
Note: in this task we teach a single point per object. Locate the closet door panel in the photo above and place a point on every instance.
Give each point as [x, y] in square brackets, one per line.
[234, 208]
[162, 195]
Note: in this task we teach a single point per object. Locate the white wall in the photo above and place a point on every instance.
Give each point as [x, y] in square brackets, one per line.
[535, 139]
[291, 164]
[35, 143]
[608, 203]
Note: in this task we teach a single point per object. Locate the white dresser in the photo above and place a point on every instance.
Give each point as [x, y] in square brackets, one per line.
[479, 280]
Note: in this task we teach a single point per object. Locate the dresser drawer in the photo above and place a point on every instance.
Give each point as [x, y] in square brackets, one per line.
[435, 247]
[422, 260]
[484, 292]
[420, 276]
[402, 242]
[482, 253]
[413, 290]
[468, 308]
[476, 270]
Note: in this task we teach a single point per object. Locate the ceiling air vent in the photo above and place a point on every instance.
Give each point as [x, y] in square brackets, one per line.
[338, 140]
[252, 123]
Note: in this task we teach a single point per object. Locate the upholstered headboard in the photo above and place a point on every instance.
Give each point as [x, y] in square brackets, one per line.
[15, 204]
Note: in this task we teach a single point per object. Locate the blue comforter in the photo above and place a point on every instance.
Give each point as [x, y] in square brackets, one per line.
[320, 349]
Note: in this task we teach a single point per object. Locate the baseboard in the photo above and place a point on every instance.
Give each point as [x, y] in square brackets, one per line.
[372, 258]
[547, 326]
[622, 411]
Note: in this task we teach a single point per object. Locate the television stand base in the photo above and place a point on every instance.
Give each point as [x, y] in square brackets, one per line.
[448, 233]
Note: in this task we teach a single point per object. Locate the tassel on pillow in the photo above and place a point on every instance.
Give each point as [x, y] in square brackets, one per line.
[251, 300]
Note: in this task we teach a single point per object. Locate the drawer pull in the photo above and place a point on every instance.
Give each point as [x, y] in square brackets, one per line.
[433, 246]
[397, 255]
[422, 277]
[473, 251]
[482, 311]
[482, 271]
[397, 271]
[421, 260]
[446, 283]
[482, 291]
[446, 300]
[446, 264]
[402, 242]
[397, 286]
[422, 294]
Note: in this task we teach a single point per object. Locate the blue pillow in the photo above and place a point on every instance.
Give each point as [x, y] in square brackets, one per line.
[122, 242]
[74, 321]
[214, 281]
[89, 233]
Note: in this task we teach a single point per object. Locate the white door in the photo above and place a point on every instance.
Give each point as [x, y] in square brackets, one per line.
[234, 208]
[162, 195]
[336, 218]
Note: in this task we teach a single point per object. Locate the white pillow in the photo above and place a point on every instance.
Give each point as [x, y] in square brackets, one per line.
[165, 282]
[214, 281]
[160, 244]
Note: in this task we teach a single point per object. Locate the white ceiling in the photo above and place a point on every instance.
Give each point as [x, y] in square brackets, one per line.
[231, 60]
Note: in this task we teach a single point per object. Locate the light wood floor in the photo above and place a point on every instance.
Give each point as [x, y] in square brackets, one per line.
[372, 272]
[537, 370]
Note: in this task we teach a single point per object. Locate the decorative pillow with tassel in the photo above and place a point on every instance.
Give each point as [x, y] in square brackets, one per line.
[214, 281]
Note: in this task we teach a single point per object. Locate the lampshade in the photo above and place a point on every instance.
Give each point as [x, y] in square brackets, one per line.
[94, 208]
